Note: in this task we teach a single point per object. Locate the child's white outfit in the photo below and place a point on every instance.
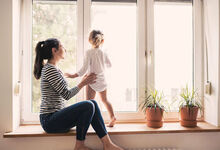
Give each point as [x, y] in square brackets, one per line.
[95, 61]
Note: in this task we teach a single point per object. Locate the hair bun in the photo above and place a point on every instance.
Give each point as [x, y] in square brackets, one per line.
[96, 37]
[99, 36]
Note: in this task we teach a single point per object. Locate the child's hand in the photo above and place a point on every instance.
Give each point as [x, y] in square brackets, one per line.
[68, 75]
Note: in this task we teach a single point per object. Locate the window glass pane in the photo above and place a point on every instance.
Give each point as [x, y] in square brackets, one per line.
[173, 48]
[118, 23]
[57, 20]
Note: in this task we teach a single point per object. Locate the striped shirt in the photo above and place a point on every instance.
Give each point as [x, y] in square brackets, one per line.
[54, 90]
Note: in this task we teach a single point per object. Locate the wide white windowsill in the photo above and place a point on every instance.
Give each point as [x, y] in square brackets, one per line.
[119, 129]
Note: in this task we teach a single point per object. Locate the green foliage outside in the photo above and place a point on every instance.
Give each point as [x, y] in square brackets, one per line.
[54, 21]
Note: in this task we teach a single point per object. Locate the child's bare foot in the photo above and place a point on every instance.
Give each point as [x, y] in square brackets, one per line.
[112, 122]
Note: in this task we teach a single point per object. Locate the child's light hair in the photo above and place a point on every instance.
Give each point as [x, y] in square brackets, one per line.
[96, 37]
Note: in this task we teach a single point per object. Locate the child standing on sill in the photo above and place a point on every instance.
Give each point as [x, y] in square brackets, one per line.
[94, 62]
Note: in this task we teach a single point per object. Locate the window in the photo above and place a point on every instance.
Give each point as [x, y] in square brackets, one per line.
[173, 51]
[59, 20]
[121, 46]
[137, 40]
[71, 22]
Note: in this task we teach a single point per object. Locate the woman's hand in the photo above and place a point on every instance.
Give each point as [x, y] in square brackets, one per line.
[87, 79]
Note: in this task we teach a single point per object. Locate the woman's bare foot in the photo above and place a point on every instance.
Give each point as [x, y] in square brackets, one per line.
[112, 122]
[82, 148]
[108, 144]
[112, 146]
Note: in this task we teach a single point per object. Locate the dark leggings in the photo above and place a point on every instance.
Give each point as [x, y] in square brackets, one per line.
[81, 115]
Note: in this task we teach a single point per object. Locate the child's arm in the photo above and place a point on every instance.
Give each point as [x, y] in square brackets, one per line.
[107, 61]
[85, 66]
[82, 71]
[68, 75]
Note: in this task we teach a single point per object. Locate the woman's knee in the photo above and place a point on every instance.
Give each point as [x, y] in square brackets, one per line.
[89, 105]
[94, 102]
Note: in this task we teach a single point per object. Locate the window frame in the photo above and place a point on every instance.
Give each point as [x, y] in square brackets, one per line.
[83, 16]
[27, 117]
[126, 116]
[145, 47]
[197, 48]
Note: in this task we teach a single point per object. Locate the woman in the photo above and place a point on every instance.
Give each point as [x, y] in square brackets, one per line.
[54, 117]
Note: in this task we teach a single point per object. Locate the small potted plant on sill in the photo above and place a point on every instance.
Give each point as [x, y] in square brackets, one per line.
[153, 108]
[189, 106]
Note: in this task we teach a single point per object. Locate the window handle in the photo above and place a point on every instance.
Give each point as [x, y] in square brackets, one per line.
[148, 55]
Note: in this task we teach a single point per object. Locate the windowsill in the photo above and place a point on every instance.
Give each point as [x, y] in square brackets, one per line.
[119, 129]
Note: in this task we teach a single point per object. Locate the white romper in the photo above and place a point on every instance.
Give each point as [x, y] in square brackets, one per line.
[95, 61]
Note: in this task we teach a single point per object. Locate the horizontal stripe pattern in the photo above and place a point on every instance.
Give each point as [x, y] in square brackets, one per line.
[54, 90]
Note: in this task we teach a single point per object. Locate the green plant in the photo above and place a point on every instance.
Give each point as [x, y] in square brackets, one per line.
[189, 98]
[153, 99]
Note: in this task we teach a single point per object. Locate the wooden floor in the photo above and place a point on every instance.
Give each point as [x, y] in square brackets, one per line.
[37, 131]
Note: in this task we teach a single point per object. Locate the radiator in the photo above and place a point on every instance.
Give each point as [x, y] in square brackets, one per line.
[155, 148]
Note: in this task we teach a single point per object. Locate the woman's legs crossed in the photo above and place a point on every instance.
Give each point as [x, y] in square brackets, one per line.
[79, 115]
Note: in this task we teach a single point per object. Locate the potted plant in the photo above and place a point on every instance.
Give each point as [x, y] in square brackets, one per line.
[189, 106]
[153, 108]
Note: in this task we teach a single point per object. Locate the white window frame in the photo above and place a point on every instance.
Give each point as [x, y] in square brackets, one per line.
[26, 63]
[127, 116]
[145, 50]
[83, 9]
[198, 51]
[27, 117]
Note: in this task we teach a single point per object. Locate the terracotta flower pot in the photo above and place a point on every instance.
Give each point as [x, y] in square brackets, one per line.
[154, 117]
[188, 116]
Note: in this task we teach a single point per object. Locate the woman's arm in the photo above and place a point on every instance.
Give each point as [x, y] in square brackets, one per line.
[57, 81]
[87, 79]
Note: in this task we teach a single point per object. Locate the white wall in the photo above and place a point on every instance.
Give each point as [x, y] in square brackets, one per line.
[186, 141]
[211, 25]
[6, 65]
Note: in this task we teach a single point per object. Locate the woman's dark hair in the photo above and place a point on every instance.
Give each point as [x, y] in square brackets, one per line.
[43, 51]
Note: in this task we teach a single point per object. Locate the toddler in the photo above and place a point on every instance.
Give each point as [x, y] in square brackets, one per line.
[94, 62]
